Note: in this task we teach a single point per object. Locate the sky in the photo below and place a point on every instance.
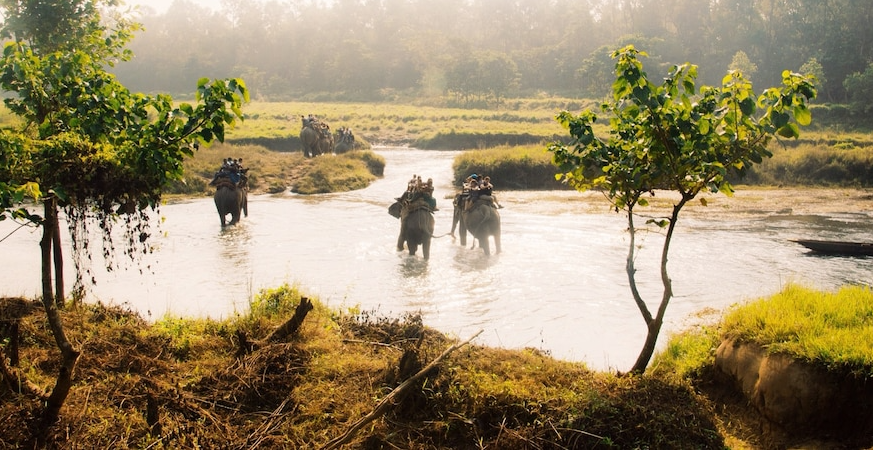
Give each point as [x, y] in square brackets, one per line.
[163, 5]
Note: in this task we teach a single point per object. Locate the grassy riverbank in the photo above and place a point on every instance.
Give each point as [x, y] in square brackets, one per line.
[823, 156]
[183, 383]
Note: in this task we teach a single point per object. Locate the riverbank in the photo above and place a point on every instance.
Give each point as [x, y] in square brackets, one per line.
[183, 383]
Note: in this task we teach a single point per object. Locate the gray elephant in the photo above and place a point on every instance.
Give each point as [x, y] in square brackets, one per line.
[345, 141]
[416, 224]
[315, 137]
[231, 199]
[480, 218]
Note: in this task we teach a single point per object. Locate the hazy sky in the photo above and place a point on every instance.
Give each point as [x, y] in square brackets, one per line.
[162, 5]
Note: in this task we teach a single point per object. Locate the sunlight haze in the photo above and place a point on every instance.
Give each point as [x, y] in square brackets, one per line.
[161, 6]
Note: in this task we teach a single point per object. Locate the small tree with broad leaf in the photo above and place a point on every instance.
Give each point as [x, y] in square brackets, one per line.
[678, 138]
[86, 144]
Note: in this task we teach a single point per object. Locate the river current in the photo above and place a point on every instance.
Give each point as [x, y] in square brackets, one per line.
[559, 285]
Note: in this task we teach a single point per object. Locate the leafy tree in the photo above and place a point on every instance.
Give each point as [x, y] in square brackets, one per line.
[814, 68]
[86, 143]
[742, 63]
[859, 86]
[675, 138]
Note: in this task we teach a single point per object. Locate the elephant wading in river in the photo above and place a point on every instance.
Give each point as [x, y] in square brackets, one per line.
[230, 199]
[480, 218]
[416, 224]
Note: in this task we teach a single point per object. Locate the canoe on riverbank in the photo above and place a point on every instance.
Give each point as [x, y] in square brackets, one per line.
[838, 247]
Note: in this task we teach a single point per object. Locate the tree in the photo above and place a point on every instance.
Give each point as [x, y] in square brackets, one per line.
[741, 63]
[674, 138]
[859, 86]
[87, 144]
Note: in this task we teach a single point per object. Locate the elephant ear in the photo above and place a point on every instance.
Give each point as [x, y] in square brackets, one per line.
[395, 209]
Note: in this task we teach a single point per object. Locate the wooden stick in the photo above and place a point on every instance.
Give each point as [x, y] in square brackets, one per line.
[386, 403]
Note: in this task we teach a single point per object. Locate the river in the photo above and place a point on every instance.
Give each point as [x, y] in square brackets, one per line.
[559, 285]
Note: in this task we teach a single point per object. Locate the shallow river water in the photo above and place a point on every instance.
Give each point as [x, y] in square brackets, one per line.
[559, 285]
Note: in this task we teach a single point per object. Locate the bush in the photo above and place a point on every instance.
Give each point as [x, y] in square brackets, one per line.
[510, 168]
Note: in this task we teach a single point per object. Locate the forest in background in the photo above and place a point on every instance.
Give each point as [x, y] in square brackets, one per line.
[478, 52]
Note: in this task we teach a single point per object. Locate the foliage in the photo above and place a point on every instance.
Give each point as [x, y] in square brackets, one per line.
[834, 329]
[89, 145]
[859, 87]
[741, 63]
[672, 137]
[510, 168]
[96, 147]
[370, 51]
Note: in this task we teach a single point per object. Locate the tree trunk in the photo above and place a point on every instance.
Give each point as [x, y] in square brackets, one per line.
[58, 261]
[654, 324]
[69, 355]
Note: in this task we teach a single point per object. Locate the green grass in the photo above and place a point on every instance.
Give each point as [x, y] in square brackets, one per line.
[831, 329]
[510, 168]
[339, 173]
[423, 126]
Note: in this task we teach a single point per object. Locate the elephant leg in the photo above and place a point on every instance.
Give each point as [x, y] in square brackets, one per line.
[401, 238]
[245, 206]
[425, 248]
[223, 221]
[485, 244]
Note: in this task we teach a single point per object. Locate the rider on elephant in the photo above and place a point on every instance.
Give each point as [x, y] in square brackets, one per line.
[418, 195]
[231, 169]
[476, 187]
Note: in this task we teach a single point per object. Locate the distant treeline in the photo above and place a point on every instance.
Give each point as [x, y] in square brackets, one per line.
[481, 52]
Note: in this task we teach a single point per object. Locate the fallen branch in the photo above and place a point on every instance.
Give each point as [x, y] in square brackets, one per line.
[289, 328]
[293, 324]
[386, 403]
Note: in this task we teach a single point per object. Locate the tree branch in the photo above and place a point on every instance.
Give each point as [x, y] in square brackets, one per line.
[389, 399]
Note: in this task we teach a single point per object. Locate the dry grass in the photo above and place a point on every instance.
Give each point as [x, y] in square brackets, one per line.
[303, 392]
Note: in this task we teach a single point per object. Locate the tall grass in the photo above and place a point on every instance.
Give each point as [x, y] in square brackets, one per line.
[841, 163]
[523, 167]
[834, 329]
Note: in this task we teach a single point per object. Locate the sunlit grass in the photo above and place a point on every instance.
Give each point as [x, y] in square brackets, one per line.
[510, 167]
[834, 329]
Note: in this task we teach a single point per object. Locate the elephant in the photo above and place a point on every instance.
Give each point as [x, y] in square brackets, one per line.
[480, 218]
[416, 224]
[231, 199]
[345, 141]
[316, 138]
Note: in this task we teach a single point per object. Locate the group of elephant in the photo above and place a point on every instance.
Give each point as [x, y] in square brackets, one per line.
[317, 139]
[478, 217]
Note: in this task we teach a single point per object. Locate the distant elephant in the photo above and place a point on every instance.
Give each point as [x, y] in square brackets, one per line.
[325, 143]
[315, 138]
[481, 219]
[345, 141]
[230, 199]
[416, 225]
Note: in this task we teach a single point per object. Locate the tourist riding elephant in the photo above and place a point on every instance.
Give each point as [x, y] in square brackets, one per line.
[416, 225]
[480, 218]
[325, 143]
[230, 199]
[315, 138]
[345, 141]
